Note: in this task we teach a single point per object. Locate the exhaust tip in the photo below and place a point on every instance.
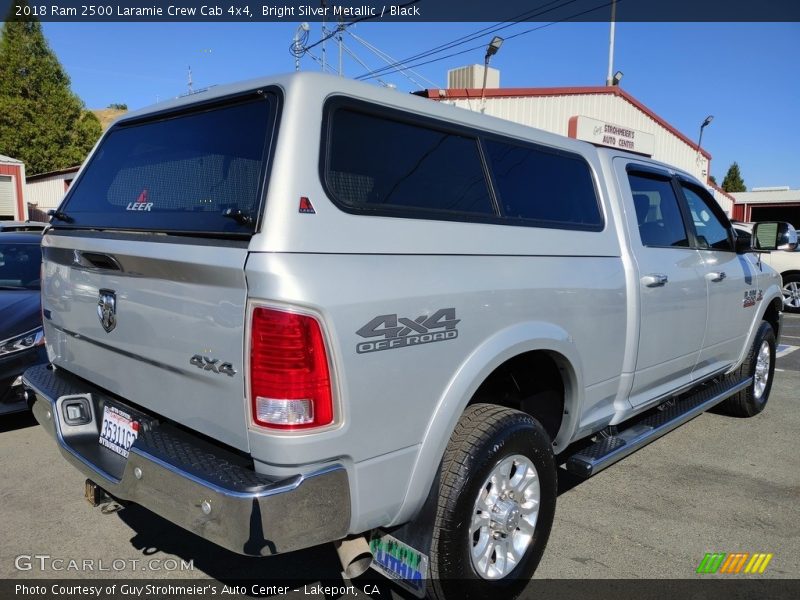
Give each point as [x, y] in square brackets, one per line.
[355, 556]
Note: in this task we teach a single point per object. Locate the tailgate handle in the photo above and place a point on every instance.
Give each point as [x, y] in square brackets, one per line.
[100, 261]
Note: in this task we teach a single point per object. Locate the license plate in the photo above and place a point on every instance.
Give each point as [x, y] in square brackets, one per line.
[118, 430]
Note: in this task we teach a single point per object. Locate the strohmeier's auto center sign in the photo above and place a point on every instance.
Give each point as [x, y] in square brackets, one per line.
[609, 134]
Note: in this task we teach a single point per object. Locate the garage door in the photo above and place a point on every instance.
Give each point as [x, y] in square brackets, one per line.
[776, 213]
[6, 197]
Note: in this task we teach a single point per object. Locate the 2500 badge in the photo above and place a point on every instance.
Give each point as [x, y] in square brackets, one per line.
[400, 332]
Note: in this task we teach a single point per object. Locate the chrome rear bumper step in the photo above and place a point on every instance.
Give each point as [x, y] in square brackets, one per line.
[202, 487]
[608, 450]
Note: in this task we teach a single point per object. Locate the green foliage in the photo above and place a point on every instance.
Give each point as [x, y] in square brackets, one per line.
[42, 122]
[713, 179]
[733, 181]
[117, 106]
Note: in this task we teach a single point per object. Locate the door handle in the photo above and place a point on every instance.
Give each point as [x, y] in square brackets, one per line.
[655, 280]
[716, 276]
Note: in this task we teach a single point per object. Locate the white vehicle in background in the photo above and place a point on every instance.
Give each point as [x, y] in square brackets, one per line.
[785, 263]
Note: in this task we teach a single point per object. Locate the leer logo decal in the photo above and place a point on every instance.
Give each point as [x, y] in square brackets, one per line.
[400, 332]
[141, 203]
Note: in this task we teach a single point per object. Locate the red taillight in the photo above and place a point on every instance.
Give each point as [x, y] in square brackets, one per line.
[290, 386]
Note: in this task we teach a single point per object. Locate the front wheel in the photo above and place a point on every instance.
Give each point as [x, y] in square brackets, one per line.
[760, 365]
[791, 293]
[497, 497]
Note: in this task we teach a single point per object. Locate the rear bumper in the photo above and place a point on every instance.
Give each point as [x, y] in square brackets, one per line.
[192, 483]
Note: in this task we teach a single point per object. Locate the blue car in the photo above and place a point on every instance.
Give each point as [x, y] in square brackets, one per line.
[21, 336]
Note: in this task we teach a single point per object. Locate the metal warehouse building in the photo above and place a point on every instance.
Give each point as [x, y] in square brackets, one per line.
[12, 179]
[46, 190]
[605, 115]
[768, 204]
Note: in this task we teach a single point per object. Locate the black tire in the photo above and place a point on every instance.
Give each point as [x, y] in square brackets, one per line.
[485, 436]
[748, 402]
[791, 293]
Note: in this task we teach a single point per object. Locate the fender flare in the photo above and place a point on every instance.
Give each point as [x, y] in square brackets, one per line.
[493, 352]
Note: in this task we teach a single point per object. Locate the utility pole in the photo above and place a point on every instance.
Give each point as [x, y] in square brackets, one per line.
[341, 44]
[189, 80]
[324, 33]
[610, 76]
[298, 42]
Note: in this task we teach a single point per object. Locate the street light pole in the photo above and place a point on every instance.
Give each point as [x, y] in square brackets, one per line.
[704, 124]
[491, 50]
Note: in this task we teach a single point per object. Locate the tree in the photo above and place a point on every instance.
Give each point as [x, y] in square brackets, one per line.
[42, 122]
[733, 181]
[712, 179]
[118, 106]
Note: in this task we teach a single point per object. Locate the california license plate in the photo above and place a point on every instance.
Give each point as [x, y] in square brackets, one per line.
[118, 431]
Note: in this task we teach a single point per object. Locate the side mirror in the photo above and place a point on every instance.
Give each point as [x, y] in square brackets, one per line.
[743, 242]
[775, 235]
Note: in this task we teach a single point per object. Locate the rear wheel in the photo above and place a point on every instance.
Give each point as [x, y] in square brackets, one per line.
[760, 365]
[791, 293]
[497, 496]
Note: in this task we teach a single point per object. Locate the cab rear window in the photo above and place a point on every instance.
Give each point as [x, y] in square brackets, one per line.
[193, 172]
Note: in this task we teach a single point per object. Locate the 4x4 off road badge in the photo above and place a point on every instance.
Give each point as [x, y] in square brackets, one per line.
[400, 332]
[107, 309]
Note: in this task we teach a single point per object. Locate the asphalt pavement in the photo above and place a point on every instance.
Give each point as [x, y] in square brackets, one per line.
[716, 484]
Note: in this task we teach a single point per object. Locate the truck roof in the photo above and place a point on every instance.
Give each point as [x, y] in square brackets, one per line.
[300, 85]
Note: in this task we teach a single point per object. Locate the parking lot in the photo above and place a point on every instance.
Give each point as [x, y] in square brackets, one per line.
[717, 484]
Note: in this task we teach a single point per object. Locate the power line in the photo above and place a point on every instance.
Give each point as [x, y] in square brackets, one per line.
[389, 60]
[534, 12]
[341, 26]
[383, 72]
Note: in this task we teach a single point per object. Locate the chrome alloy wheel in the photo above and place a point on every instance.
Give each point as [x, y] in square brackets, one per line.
[761, 375]
[504, 517]
[791, 294]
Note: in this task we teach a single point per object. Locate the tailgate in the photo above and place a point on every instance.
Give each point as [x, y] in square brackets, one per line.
[143, 283]
[147, 321]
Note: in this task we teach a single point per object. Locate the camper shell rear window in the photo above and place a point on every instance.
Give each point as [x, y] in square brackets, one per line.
[197, 171]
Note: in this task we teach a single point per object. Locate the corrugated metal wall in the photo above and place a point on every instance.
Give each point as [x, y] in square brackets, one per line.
[46, 193]
[552, 113]
[725, 202]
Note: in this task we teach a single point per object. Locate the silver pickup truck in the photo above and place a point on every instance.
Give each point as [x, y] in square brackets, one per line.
[302, 310]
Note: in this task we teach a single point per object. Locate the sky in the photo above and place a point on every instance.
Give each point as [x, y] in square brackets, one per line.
[745, 74]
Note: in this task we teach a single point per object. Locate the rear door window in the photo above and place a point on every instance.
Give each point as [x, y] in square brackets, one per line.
[179, 174]
[657, 212]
